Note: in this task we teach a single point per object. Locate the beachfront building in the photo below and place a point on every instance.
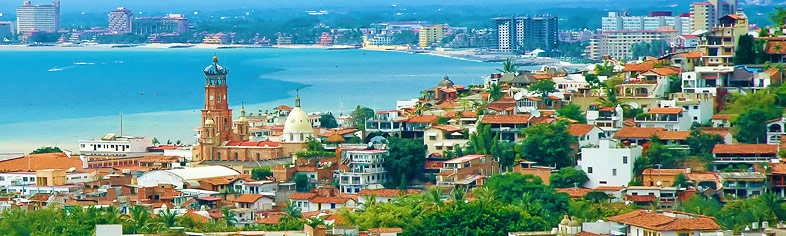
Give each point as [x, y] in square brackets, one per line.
[617, 21]
[362, 169]
[120, 21]
[6, 29]
[430, 35]
[617, 43]
[113, 150]
[608, 164]
[526, 33]
[170, 24]
[45, 18]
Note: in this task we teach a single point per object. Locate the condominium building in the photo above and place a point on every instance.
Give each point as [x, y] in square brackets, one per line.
[6, 29]
[720, 42]
[617, 44]
[120, 21]
[360, 169]
[38, 17]
[112, 150]
[705, 15]
[172, 23]
[619, 21]
[517, 33]
[431, 34]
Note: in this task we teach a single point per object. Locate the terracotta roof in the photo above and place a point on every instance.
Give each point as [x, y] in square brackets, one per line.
[506, 119]
[585, 233]
[637, 132]
[303, 196]
[171, 195]
[160, 204]
[252, 144]
[673, 135]
[503, 104]
[575, 192]
[465, 114]
[224, 180]
[640, 198]
[159, 159]
[721, 117]
[775, 47]
[703, 176]
[693, 54]
[198, 217]
[335, 137]
[665, 110]
[608, 188]
[306, 168]
[283, 107]
[433, 165]
[448, 104]
[641, 67]
[665, 71]
[337, 219]
[339, 131]
[429, 119]
[40, 197]
[447, 128]
[655, 221]
[185, 204]
[779, 168]
[387, 192]
[385, 230]
[745, 149]
[310, 214]
[580, 129]
[132, 168]
[248, 198]
[337, 200]
[42, 161]
[773, 71]
[667, 172]
[715, 130]
[270, 219]
[466, 158]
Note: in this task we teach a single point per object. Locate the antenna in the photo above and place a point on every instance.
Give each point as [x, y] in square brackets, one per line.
[121, 124]
[518, 96]
[634, 105]
[535, 113]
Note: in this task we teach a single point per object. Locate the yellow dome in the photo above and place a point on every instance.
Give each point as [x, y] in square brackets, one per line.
[297, 122]
[209, 122]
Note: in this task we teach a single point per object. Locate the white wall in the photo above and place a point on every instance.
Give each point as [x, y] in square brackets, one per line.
[604, 160]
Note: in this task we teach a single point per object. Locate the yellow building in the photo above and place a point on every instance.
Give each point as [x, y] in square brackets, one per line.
[430, 35]
[50, 177]
[703, 13]
[718, 45]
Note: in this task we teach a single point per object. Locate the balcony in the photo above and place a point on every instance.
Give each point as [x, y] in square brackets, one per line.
[656, 118]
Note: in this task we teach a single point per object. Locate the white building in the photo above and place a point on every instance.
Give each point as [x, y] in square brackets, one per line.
[113, 147]
[698, 107]
[570, 83]
[607, 164]
[586, 134]
[120, 21]
[617, 21]
[38, 17]
[608, 119]
[665, 223]
[180, 177]
[669, 118]
[298, 127]
[364, 169]
[617, 44]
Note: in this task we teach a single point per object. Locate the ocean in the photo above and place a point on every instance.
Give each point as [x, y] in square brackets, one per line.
[57, 96]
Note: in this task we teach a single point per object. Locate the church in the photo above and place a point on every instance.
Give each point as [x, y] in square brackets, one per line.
[226, 140]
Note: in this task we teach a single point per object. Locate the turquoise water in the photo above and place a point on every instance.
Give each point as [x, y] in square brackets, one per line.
[60, 95]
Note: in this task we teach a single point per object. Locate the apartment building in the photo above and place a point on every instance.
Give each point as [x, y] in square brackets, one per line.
[617, 44]
[618, 21]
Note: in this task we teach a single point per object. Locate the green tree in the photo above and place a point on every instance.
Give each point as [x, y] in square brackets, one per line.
[745, 53]
[302, 183]
[698, 204]
[477, 218]
[605, 69]
[680, 181]
[542, 87]
[327, 121]
[568, 177]
[701, 144]
[509, 66]
[407, 157]
[405, 37]
[778, 16]
[573, 112]
[46, 150]
[658, 153]
[495, 92]
[675, 84]
[228, 216]
[752, 127]
[593, 81]
[155, 141]
[261, 173]
[360, 116]
[548, 144]
[167, 218]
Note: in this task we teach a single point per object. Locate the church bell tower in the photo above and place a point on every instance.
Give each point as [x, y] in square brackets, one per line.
[216, 111]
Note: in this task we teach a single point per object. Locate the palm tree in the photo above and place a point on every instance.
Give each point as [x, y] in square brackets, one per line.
[459, 195]
[611, 99]
[495, 92]
[292, 211]
[167, 218]
[141, 219]
[433, 201]
[509, 66]
[229, 217]
[485, 195]
[371, 200]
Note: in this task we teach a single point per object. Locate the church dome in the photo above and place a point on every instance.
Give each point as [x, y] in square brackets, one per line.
[215, 68]
[445, 83]
[209, 122]
[297, 122]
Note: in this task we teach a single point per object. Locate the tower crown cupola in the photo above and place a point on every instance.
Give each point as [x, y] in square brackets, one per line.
[216, 74]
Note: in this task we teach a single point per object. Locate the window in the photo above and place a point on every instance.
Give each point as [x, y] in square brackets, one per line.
[589, 170]
[432, 137]
[624, 160]
[613, 172]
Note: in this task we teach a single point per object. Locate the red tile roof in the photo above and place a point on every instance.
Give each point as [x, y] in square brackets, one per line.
[665, 110]
[303, 196]
[776, 47]
[43, 161]
[703, 176]
[641, 67]
[640, 198]
[428, 119]
[448, 104]
[283, 107]
[637, 132]
[465, 158]
[506, 119]
[665, 71]
[693, 54]
[673, 135]
[503, 104]
[608, 188]
[336, 200]
[270, 219]
[198, 217]
[779, 168]
[248, 198]
[159, 159]
[745, 149]
[464, 114]
[447, 128]
[721, 117]
[434, 165]
[575, 192]
[655, 221]
[580, 129]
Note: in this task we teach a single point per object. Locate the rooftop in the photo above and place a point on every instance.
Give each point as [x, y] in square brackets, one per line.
[465, 158]
[745, 149]
[654, 221]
